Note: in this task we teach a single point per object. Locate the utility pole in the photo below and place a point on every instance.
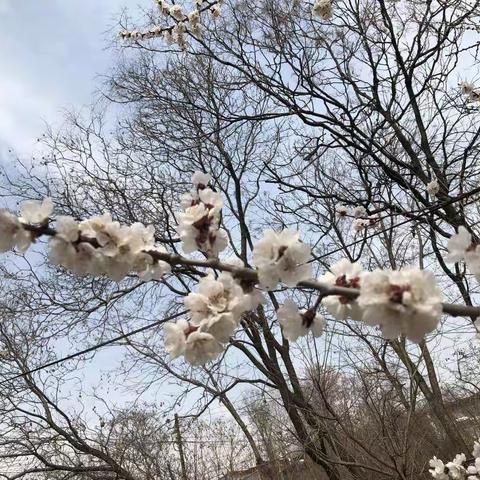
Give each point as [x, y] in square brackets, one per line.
[180, 448]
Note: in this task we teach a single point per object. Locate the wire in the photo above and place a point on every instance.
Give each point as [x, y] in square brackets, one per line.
[92, 348]
[428, 210]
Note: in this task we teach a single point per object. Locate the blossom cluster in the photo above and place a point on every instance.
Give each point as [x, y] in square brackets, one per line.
[189, 21]
[405, 302]
[359, 213]
[215, 313]
[198, 224]
[457, 469]
[184, 22]
[217, 307]
[282, 257]
[401, 302]
[102, 246]
[97, 246]
[13, 233]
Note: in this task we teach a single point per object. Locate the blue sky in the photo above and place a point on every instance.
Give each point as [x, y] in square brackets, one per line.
[52, 53]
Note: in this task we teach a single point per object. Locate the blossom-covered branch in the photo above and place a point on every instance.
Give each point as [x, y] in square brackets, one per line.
[189, 21]
[184, 22]
[406, 302]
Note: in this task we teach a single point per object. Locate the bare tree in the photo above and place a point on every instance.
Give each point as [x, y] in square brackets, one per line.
[292, 115]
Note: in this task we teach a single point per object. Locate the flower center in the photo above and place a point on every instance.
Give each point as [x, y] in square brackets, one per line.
[396, 292]
[281, 252]
[218, 302]
[342, 281]
[191, 328]
[203, 226]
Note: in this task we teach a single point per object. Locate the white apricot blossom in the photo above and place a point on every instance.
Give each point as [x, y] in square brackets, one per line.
[405, 302]
[198, 224]
[67, 228]
[62, 252]
[282, 257]
[194, 225]
[13, 230]
[221, 326]
[437, 469]
[466, 87]
[168, 37]
[196, 29]
[452, 470]
[176, 12]
[476, 448]
[217, 296]
[116, 245]
[216, 309]
[322, 9]
[461, 247]
[34, 211]
[197, 345]
[470, 91]
[201, 347]
[175, 337]
[101, 246]
[297, 323]
[12, 233]
[81, 258]
[149, 268]
[359, 212]
[216, 10]
[455, 468]
[433, 187]
[194, 18]
[343, 274]
[178, 35]
[474, 470]
[341, 210]
[458, 245]
[164, 6]
[360, 224]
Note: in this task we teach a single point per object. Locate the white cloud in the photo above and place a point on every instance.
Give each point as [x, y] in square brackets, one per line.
[50, 56]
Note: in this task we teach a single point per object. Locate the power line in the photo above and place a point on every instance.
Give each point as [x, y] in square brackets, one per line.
[93, 347]
[408, 220]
